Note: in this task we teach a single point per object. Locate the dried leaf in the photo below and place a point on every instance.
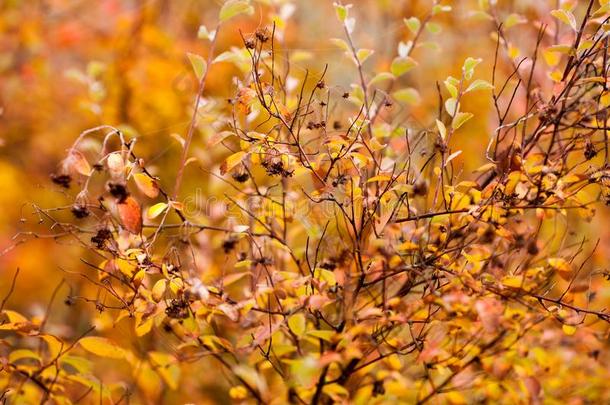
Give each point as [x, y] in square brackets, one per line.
[130, 215]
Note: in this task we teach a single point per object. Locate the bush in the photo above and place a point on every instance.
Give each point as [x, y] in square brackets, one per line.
[348, 248]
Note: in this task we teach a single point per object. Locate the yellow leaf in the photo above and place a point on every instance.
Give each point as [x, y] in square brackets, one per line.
[156, 210]
[158, 290]
[569, 329]
[102, 347]
[297, 324]
[232, 161]
[561, 266]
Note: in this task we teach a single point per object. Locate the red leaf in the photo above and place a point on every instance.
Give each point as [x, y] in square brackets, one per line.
[130, 214]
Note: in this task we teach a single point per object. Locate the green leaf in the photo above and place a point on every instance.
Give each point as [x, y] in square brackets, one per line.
[407, 96]
[342, 11]
[469, 65]
[451, 84]
[198, 63]
[380, 77]
[460, 119]
[233, 8]
[440, 9]
[401, 65]
[413, 24]
[479, 85]
[364, 54]
[433, 28]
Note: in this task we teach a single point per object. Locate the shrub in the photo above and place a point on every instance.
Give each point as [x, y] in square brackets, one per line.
[343, 251]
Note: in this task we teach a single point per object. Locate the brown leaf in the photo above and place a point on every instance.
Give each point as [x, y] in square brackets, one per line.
[130, 214]
[77, 162]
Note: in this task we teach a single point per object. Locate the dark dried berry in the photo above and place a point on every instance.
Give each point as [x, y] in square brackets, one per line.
[229, 244]
[320, 84]
[532, 248]
[345, 95]
[336, 125]
[275, 167]
[61, 179]
[118, 191]
[420, 188]
[590, 151]
[177, 309]
[262, 34]
[250, 43]
[80, 211]
[328, 264]
[240, 176]
[101, 237]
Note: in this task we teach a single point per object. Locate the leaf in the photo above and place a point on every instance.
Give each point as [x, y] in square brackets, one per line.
[565, 17]
[364, 54]
[144, 327]
[433, 28]
[232, 161]
[381, 77]
[158, 290]
[326, 335]
[568, 329]
[402, 65]
[452, 156]
[130, 215]
[561, 266]
[234, 8]
[442, 130]
[102, 347]
[469, 65]
[460, 119]
[77, 162]
[407, 96]
[342, 11]
[203, 33]
[297, 324]
[379, 178]
[439, 8]
[513, 281]
[199, 64]
[514, 19]
[413, 24]
[116, 165]
[156, 210]
[451, 106]
[479, 85]
[146, 185]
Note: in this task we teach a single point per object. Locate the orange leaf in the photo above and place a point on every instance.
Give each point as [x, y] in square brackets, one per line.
[130, 214]
[146, 185]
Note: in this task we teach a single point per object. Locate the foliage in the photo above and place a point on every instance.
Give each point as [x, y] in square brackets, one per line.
[391, 238]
